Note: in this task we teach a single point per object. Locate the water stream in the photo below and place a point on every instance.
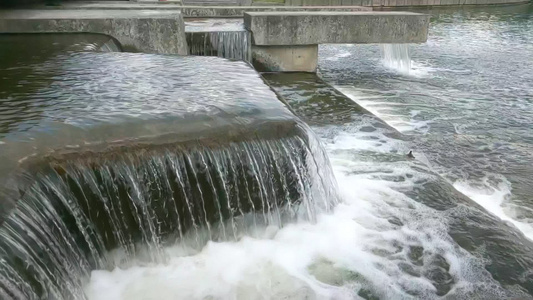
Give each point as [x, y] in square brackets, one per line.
[134, 204]
[396, 57]
[119, 181]
[465, 100]
[225, 38]
[227, 44]
[103, 173]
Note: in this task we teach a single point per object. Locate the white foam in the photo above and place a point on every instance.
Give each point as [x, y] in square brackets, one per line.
[397, 58]
[354, 247]
[339, 55]
[494, 200]
[382, 109]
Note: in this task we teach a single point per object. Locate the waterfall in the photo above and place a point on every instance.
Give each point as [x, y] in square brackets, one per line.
[135, 202]
[396, 57]
[110, 46]
[227, 44]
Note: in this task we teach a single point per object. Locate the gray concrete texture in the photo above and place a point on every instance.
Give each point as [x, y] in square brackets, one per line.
[146, 31]
[197, 11]
[309, 28]
[238, 11]
[285, 58]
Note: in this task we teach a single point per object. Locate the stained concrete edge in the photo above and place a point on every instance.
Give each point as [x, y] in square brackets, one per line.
[144, 31]
[309, 28]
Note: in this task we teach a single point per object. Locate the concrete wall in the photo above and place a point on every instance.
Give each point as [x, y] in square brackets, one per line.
[285, 58]
[288, 41]
[394, 3]
[144, 31]
[310, 28]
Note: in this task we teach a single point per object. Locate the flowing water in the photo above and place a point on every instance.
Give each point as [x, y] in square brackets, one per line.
[109, 163]
[225, 38]
[261, 216]
[465, 98]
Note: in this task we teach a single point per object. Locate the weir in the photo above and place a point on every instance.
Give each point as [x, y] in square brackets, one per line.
[113, 160]
[127, 172]
[283, 41]
[227, 44]
[73, 213]
[227, 39]
[222, 38]
[128, 176]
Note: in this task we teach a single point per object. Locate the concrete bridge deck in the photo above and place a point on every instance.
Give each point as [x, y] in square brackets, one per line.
[288, 41]
[197, 11]
[311, 28]
[150, 31]
[281, 41]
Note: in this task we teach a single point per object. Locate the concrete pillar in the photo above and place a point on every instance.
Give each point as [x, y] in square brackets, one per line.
[301, 58]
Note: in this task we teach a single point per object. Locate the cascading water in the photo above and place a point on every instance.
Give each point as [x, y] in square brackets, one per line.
[77, 211]
[132, 169]
[227, 44]
[110, 46]
[396, 57]
[225, 38]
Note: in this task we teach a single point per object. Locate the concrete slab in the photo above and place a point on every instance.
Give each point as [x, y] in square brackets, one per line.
[47, 14]
[114, 5]
[311, 28]
[238, 11]
[147, 31]
[285, 59]
[197, 11]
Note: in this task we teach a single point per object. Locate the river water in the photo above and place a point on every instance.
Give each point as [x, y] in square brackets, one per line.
[402, 230]
[465, 99]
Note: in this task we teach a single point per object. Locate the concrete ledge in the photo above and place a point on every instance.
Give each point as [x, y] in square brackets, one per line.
[311, 28]
[285, 58]
[200, 11]
[142, 30]
[238, 11]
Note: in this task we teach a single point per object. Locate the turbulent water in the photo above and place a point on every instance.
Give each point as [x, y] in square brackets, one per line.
[108, 164]
[400, 230]
[223, 38]
[400, 226]
[466, 100]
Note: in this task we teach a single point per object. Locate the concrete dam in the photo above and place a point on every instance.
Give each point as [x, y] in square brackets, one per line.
[279, 41]
[156, 149]
[168, 151]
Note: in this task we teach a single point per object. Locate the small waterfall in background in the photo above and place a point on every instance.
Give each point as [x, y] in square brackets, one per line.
[227, 44]
[396, 57]
[110, 46]
[106, 46]
[78, 209]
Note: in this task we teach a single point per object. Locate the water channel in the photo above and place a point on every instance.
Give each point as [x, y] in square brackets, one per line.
[136, 176]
